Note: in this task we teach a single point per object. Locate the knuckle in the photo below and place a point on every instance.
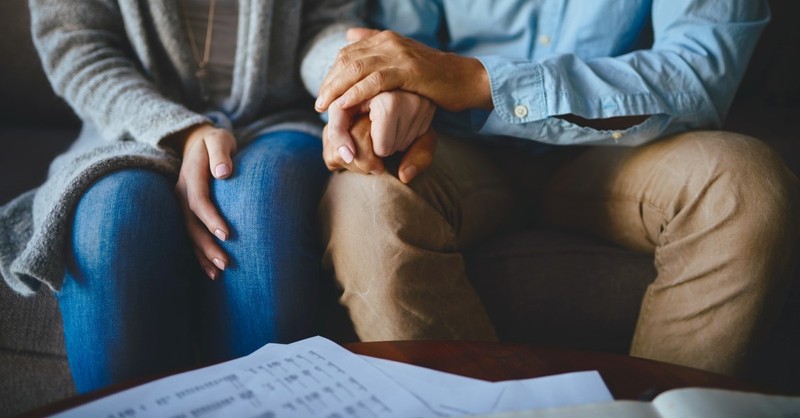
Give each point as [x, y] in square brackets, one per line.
[390, 35]
[194, 203]
[355, 68]
[341, 60]
[377, 78]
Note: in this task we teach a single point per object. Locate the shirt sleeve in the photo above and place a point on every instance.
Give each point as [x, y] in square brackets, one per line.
[686, 80]
[88, 60]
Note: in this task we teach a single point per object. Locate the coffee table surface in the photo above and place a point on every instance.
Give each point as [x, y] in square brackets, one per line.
[626, 377]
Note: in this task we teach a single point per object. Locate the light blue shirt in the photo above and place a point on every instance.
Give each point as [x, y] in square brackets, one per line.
[677, 61]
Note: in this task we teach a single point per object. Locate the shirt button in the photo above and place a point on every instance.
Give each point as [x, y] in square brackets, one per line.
[521, 111]
[545, 40]
[617, 135]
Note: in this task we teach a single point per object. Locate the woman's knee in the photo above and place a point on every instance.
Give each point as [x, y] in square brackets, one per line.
[279, 169]
[123, 213]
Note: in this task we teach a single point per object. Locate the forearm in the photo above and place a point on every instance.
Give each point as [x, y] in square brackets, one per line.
[685, 81]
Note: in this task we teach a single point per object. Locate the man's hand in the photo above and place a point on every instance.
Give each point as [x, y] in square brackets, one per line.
[417, 158]
[398, 118]
[387, 61]
[206, 152]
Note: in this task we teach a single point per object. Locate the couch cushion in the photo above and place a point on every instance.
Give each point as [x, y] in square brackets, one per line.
[560, 288]
[26, 94]
[27, 153]
[30, 381]
[31, 324]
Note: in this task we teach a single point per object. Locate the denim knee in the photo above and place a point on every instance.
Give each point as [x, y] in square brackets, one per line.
[124, 302]
[281, 169]
[127, 220]
[268, 291]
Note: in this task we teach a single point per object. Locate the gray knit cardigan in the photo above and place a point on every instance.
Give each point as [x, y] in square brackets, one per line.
[126, 68]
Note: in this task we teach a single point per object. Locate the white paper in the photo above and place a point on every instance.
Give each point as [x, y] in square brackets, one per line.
[556, 391]
[310, 378]
[453, 395]
[318, 378]
[447, 394]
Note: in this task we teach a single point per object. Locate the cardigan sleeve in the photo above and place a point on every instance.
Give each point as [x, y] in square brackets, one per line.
[325, 23]
[88, 59]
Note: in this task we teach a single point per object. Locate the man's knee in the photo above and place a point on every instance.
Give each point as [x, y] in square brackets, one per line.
[361, 209]
[735, 172]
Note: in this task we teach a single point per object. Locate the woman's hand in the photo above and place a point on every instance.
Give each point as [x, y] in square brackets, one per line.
[398, 118]
[417, 158]
[387, 61]
[206, 152]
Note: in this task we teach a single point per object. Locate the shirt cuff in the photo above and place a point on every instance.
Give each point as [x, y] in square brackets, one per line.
[518, 91]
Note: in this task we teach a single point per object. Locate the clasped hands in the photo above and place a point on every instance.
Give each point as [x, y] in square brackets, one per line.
[386, 89]
[381, 95]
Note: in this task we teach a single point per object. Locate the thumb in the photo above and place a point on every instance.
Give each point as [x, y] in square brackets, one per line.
[358, 34]
[339, 121]
[418, 157]
[220, 144]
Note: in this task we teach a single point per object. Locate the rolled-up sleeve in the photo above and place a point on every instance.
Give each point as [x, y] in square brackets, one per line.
[686, 80]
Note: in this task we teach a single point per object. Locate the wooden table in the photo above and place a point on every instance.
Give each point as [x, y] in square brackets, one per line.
[626, 377]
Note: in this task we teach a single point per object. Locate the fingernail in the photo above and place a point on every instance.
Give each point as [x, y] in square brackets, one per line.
[346, 154]
[376, 172]
[221, 170]
[318, 103]
[219, 263]
[221, 234]
[341, 102]
[409, 173]
[211, 273]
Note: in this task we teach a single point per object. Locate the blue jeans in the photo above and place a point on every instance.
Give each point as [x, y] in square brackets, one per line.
[135, 302]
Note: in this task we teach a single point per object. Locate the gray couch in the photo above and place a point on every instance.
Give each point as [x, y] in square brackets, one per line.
[35, 126]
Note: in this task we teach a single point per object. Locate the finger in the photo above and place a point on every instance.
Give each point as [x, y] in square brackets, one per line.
[386, 79]
[358, 34]
[339, 122]
[384, 119]
[366, 161]
[418, 157]
[210, 256]
[350, 63]
[197, 199]
[333, 160]
[220, 144]
[420, 123]
[348, 72]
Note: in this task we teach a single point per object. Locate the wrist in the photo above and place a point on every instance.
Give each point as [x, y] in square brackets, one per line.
[478, 91]
[179, 141]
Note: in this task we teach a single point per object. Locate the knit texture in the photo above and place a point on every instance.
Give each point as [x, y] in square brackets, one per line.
[127, 70]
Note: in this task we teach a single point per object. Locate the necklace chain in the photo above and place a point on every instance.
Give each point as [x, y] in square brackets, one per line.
[201, 72]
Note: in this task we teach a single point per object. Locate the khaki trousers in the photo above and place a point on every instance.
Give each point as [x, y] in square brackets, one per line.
[719, 212]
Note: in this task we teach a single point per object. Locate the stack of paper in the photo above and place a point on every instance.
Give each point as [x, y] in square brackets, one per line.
[318, 378]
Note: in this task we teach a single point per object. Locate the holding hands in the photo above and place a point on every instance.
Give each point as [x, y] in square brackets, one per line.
[385, 61]
[355, 139]
[381, 95]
